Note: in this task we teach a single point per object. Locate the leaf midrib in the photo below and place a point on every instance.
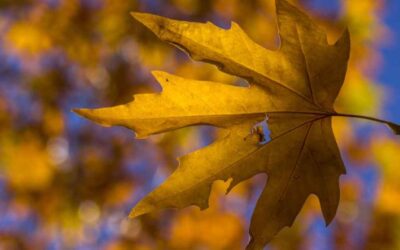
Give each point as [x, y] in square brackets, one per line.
[252, 114]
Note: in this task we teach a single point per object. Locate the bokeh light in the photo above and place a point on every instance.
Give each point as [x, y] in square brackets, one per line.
[66, 183]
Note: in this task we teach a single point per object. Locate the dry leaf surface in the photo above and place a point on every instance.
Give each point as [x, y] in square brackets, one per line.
[294, 86]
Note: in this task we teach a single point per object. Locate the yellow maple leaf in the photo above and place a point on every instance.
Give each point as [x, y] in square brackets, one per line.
[295, 86]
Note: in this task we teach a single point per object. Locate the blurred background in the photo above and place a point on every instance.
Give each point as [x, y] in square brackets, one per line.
[67, 183]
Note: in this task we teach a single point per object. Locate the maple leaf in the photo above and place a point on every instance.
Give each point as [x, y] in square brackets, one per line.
[295, 86]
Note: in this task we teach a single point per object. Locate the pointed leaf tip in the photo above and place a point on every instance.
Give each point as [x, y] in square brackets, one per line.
[134, 214]
[151, 21]
[85, 113]
[328, 219]
[82, 112]
[95, 115]
[139, 15]
[160, 75]
[140, 209]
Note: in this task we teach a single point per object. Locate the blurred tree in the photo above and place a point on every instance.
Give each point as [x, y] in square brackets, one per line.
[67, 184]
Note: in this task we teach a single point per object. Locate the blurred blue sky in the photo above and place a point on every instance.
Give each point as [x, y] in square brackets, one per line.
[389, 74]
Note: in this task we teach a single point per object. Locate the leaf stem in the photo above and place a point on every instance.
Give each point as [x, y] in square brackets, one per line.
[394, 126]
[365, 118]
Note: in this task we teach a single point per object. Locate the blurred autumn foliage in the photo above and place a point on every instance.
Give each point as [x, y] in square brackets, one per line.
[66, 183]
